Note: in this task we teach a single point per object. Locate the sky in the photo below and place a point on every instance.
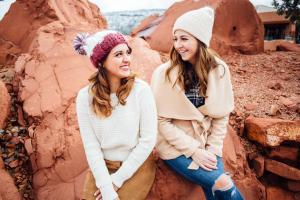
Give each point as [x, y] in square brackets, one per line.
[117, 5]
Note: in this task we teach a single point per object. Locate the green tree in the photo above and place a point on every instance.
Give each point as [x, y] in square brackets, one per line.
[289, 8]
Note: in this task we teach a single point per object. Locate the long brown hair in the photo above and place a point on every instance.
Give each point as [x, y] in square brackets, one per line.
[100, 91]
[187, 73]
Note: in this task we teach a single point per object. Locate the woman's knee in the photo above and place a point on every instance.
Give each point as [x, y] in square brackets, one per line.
[223, 183]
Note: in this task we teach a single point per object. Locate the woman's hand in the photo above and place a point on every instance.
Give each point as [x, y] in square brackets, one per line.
[98, 194]
[205, 159]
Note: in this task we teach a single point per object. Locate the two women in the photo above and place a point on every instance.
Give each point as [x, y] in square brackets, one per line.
[117, 119]
[193, 94]
[194, 98]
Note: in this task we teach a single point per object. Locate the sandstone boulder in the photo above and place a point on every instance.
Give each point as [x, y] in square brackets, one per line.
[50, 75]
[30, 15]
[284, 153]
[145, 60]
[272, 132]
[8, 190]
[281, 45]
[232, 31]
[4, 105]
[278, 193]
[282, 169]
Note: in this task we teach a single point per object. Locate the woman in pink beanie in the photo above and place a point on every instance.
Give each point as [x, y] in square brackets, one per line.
[117, 119]
[194, 98]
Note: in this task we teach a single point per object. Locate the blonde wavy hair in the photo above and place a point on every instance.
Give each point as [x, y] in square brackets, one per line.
[186, 73]
[100, 91]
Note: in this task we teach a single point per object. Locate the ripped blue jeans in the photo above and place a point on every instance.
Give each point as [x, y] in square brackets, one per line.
[206, 179]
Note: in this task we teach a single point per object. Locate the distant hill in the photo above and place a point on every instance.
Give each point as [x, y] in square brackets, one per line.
[125, 21]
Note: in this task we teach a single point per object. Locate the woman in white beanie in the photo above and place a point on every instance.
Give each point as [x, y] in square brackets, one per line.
[117, 119]
[194, 98]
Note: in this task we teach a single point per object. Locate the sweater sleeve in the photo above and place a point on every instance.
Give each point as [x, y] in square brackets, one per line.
[93, 149]
[146, 141]
[184, 143]
[218, 131]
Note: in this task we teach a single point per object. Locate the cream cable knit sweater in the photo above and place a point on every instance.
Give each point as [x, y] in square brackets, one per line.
[128, 135]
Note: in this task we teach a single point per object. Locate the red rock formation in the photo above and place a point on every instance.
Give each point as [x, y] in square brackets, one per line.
[282, 169]
[20, 25]
[281, 45]
[237, 26]
[168, 185]
[146, 23]
[8, 191]
[278, 193]
[4, 105]
[147, 61]
[272, 132]
[51, 74]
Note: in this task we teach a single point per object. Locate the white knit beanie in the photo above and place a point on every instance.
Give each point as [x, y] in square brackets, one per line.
[98, 45]
[198, 22]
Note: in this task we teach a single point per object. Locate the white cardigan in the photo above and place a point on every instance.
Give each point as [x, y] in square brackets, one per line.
[128, 135]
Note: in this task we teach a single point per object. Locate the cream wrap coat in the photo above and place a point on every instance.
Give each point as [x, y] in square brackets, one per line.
[182, 128]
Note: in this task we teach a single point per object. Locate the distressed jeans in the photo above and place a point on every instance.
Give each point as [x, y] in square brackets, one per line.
[206, 179]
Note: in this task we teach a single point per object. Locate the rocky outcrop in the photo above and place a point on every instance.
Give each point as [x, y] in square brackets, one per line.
[278, 193]
[145, 60]
[281, 45]
[232, 31]
[272, 132]
[8, 190]
[50, 75]
[29, 16]
[278, 163]
[4, 105]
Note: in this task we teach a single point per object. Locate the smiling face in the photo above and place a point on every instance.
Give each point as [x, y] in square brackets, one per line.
[117, 63]
[186, 45]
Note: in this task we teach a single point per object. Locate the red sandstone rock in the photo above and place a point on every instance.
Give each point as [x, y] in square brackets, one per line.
[251, 106]
[282, 169]
[235, 34]
[147, 61]
[235, 162]
[31, 15]
[274, 110]
[293, 186]
[146, 24]
[275, 86]
[271, 132]
[276, 193]
[169, 185]
[258, 164]
[4, 105]
[51, 73]
[1, 162]
[8, 190]
[284, 152]
[289, 103]
[287, 46]
[280, 45]
[8, 52]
